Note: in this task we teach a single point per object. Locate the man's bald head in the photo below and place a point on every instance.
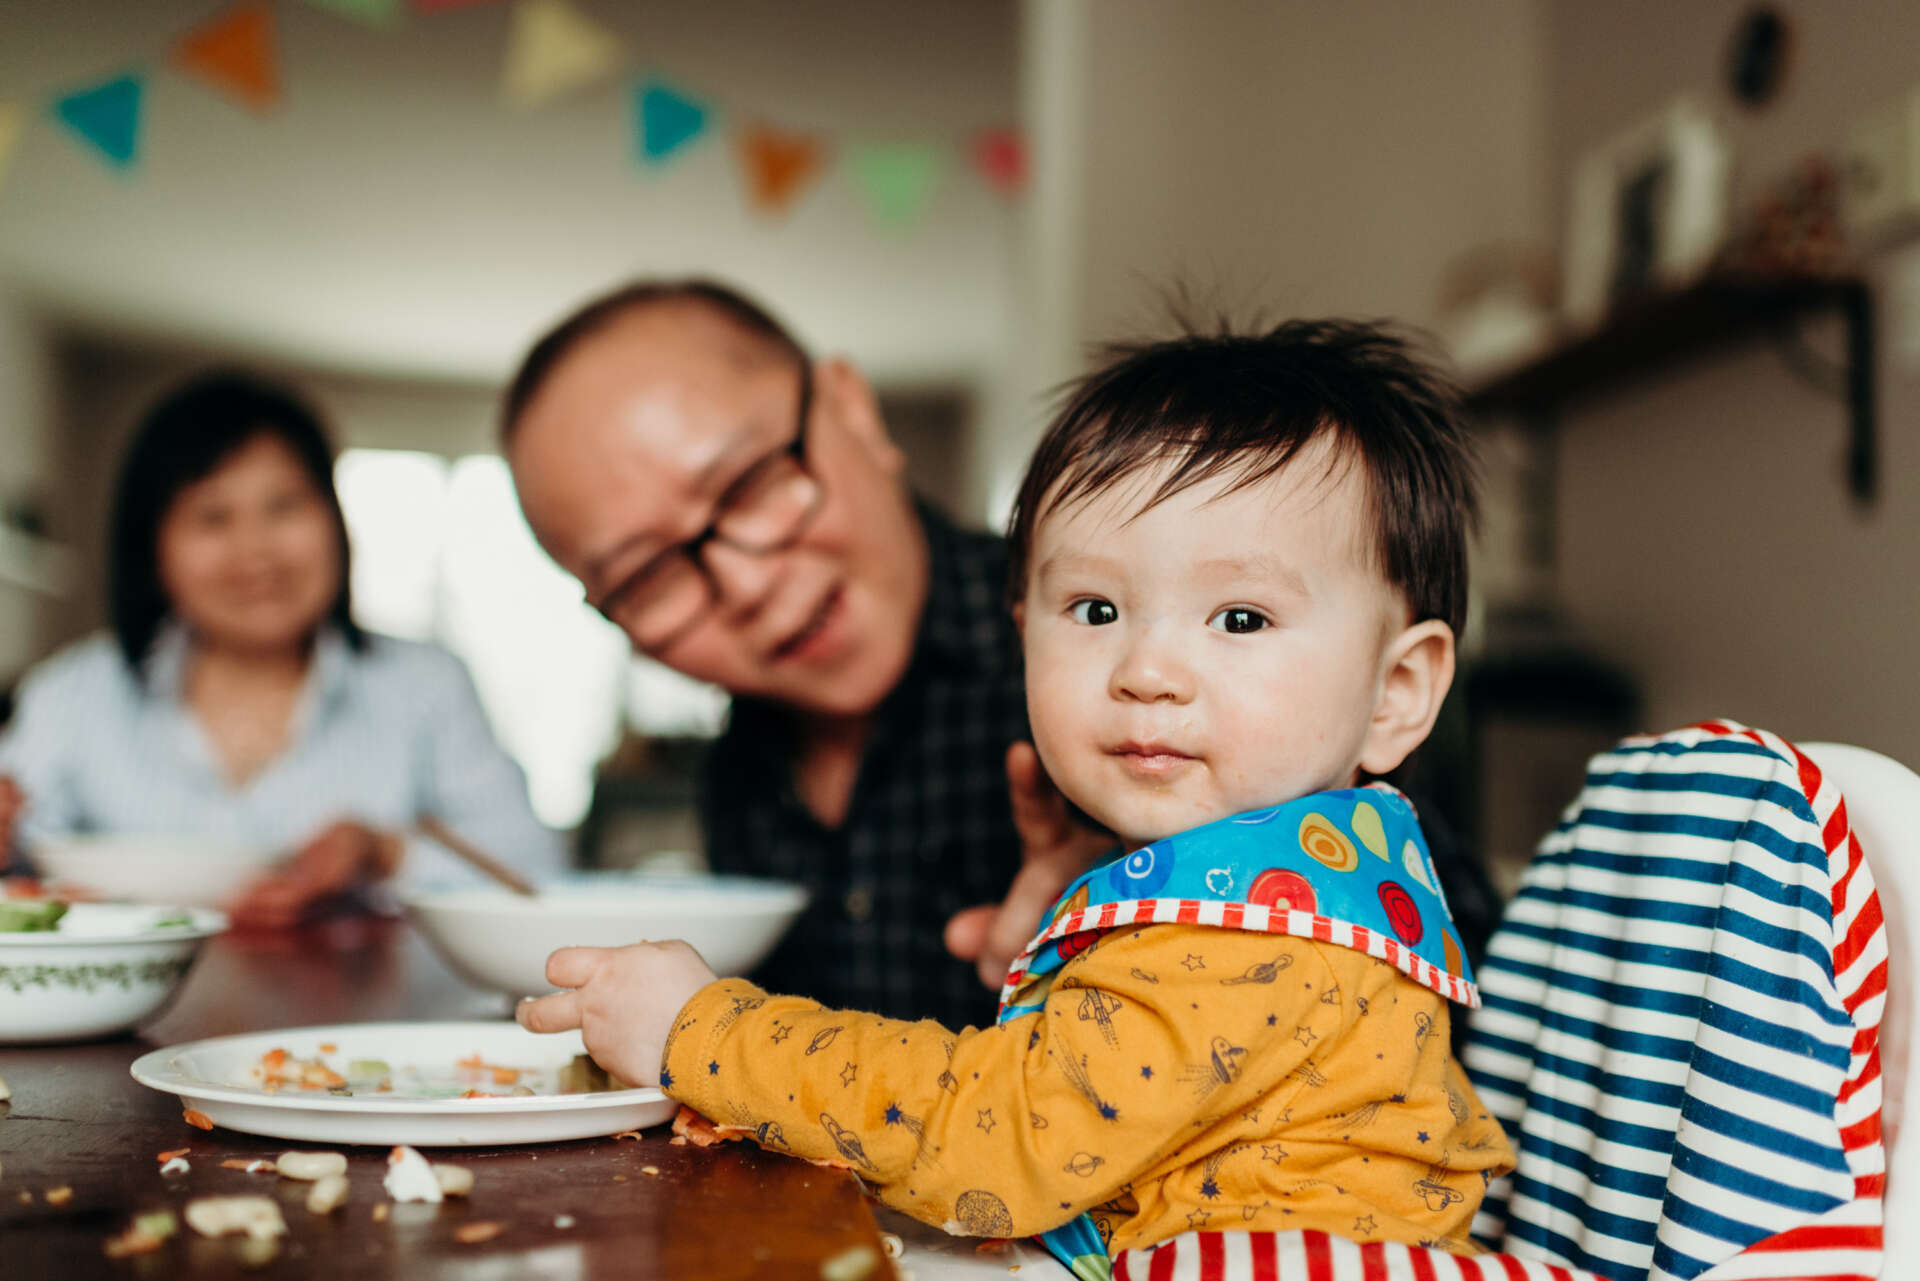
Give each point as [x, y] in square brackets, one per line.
[753, 322]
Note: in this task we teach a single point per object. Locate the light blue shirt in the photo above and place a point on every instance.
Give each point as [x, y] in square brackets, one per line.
[384, 737]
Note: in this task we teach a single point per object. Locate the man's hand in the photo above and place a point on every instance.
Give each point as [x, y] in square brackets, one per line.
[623, 1000]
[330, 864]
[1053, 850]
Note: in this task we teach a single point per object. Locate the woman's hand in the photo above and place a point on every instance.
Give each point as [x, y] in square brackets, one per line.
[13, 802]
[332, 863]
[1054, 849]
[623, 1000]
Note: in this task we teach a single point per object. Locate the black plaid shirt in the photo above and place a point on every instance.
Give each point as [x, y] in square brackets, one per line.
[930, 827]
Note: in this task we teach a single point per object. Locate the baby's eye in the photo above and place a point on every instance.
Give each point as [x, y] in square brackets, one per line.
[1238, 619]
[1094, 612]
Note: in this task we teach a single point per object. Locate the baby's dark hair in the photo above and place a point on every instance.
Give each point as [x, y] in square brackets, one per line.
[1245, 406]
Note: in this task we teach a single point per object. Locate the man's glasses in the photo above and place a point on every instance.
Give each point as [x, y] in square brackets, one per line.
[762, 512]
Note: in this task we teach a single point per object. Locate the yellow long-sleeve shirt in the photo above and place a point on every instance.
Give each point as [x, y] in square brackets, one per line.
[1178, 1077]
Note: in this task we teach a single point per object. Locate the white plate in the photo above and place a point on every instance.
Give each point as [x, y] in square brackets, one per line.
[212, 1076]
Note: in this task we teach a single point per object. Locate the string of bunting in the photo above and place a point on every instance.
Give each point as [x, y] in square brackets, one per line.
[553, 50]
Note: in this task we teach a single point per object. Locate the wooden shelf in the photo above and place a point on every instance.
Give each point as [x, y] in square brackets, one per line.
[1672, 329]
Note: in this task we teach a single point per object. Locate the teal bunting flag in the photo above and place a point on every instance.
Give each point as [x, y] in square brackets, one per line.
[107, 116]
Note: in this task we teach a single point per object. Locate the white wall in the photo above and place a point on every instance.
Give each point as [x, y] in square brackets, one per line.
[1294, 158]
[1706, 540]
[393, 217]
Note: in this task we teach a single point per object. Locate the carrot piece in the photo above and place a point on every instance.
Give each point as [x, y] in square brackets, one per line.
[328, 1047]
[505, 1076]
[273, 1059]
[198, 1119]
[170, 1154]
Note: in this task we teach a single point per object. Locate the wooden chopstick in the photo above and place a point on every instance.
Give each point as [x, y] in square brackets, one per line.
[478, 858]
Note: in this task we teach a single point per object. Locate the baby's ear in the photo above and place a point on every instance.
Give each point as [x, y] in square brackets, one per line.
[1020, 618]
[1416, 670]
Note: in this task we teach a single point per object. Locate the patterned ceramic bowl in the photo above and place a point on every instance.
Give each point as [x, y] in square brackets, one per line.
[102, 969]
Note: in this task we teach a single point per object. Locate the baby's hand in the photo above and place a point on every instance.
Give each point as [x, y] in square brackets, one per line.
[623, 1000]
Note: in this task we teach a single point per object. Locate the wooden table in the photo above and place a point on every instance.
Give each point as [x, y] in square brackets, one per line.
[78, 1120]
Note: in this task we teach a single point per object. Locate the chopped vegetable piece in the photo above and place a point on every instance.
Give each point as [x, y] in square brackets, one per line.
[36, 917]
[256, 1216]
[176, 1166]
[198, 1119]
[60, 1195]
[171, 1153]
[410, 1177]
[454, 1180]
[309, 1166]
[156, 1223]
[475, 1233]
[328, 1194]
[175, 921]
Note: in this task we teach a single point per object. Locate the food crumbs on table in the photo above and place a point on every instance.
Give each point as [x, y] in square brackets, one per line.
[892, 1246]
[475, 1233]
[176, 1166]
[254, 1166]
[619, 1178]
[171, 1154]
[627, 1134]
[380, 1212]
[257, 1217]
[310, 1166]
[26, 1198]
[563, 1221]
[328, 1193]
[197, 1119]
[650, 1169]
[851, 1264]
[5, 1093]
[60, 1195]
[454, 1180]
[410, 1177]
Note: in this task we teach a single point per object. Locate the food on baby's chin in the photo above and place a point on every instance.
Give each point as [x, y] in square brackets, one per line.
[40, 916]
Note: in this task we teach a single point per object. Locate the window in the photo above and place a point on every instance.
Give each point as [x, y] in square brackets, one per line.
[441, 553]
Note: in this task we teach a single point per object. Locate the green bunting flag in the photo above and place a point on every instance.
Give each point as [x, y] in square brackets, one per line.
[897, 178]
[107, 117]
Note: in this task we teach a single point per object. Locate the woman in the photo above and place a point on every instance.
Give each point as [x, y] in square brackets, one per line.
[235, 697]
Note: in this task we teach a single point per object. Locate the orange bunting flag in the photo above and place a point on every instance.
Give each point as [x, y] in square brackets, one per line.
[1001, 157]
[234, 52]
[779, 165]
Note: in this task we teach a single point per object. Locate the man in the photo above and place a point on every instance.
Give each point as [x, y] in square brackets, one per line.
[738, 510]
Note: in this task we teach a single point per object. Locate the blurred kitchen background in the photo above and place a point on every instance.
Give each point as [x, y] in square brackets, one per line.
[1671, 248]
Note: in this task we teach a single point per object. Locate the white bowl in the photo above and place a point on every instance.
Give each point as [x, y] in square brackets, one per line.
[502, 940]
[104, 969]
[188, 871]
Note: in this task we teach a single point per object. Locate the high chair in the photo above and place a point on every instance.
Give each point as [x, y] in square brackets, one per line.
[1883, 803]
[1681, 1029]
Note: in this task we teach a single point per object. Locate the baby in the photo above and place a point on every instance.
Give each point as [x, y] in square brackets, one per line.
[1239, 566]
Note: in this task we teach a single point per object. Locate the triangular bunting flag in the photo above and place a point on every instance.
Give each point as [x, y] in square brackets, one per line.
[1001, 157]
[375, 13]
[778, 165]
[555, 48]
[669, 120]
[234, 52]
[107, 116]
[13, 122]
[897, 178]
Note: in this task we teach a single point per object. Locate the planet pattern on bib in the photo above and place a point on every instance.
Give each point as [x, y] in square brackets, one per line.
[1330, 855]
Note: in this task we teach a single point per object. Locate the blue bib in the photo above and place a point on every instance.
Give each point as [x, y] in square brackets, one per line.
[1348, 867]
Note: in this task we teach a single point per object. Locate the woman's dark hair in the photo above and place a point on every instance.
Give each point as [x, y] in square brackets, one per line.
[1244, 406]
[185, 438]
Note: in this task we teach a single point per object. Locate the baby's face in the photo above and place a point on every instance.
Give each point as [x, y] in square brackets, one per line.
[1216, 653]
